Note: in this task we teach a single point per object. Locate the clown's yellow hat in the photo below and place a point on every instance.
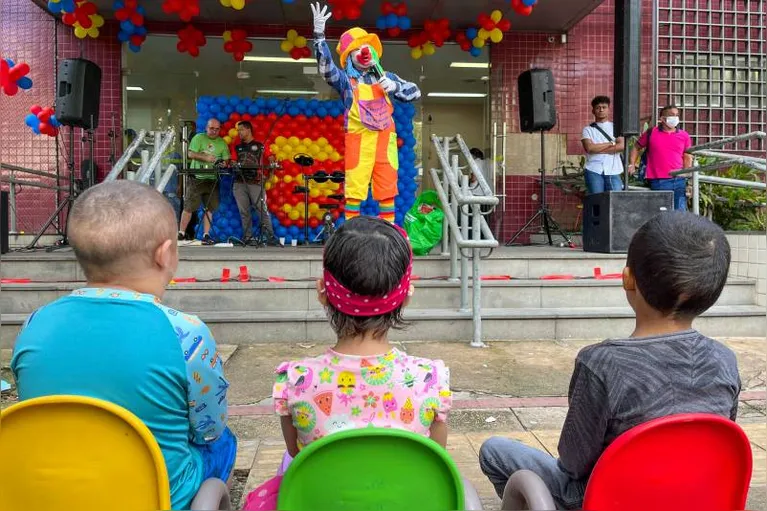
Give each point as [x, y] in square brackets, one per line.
[355, 38]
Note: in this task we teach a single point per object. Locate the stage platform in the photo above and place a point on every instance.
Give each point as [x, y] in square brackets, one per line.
[528, 293]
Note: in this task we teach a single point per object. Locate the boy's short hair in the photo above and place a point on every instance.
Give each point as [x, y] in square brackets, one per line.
[369, 257]
[115, 227]
[245, 124]
[600, 100]
[666, 109]
[680, 263]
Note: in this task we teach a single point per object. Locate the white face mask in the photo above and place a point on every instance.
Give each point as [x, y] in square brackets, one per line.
[672, 122]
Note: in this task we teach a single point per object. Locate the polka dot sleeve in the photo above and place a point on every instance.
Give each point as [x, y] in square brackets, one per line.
[280, 390]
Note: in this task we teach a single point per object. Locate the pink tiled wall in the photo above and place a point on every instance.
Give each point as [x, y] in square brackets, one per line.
[582, 68]
[29, 34]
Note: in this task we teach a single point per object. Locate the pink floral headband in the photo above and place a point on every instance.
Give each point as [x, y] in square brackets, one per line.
[353, 304]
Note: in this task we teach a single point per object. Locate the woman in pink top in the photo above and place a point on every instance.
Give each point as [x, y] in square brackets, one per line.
[362, 381]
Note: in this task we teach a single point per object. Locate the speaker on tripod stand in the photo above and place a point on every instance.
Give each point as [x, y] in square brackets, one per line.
[537, 112]
[78, 97]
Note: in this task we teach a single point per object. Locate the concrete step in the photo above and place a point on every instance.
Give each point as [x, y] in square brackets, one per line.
[205, 263]
[429, 294]
[252, 327]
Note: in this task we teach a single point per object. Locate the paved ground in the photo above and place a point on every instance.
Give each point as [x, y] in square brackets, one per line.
[514, 389]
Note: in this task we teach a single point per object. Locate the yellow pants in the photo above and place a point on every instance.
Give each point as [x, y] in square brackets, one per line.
[371, 156]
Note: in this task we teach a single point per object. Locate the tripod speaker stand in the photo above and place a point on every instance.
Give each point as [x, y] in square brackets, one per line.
[547, 221]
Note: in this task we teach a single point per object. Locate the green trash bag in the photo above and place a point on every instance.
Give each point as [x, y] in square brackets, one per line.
[423, 223]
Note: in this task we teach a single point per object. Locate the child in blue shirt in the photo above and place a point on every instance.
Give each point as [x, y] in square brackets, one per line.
[114, 340]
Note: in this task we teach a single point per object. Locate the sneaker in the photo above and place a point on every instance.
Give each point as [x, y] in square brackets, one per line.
[253, 242]
[273, 242]
[207, 240]
[181, 236]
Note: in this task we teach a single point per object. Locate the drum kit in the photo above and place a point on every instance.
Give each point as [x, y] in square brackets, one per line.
[264, 172]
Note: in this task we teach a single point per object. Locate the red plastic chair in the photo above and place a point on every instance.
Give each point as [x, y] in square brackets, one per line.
[685, 462]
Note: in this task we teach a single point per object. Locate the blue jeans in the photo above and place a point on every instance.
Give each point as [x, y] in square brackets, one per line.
[598, 183]
[500, 457]
[678, 185]
[218, 457]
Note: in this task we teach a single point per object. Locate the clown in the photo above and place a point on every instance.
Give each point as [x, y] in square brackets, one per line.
[371, 139]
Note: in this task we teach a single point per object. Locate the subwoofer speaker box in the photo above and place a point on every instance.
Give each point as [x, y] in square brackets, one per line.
[537, 110]
[78, 93]
[4, 234]
[610, 219]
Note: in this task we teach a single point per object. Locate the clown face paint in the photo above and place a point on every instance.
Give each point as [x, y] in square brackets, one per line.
[362, 58]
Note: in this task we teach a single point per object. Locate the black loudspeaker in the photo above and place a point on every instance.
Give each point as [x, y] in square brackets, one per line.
[4, 243]
[610, 219]
[78, 93]
[628, 49]
[537, 111]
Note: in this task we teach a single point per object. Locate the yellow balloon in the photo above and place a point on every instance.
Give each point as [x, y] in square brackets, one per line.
[335, 186]
[287, 208]
[97, 20]
[80, 32]
[301, 148]
[335, 157]
[92, 32]
[286, 46]
[313, 193]
[232, 133]
[306, 141]
[416, 53]
[496, 15]
[314, 149]
[228, 139]
[288, 179]
[322, 141]
[299, 41]
[478, 43]
[293, 141]
[483, 34]
[496, 35]
[293, 215]
[319, 214]
[322, 156]
[274, 148]
[227, 35]
[267, 186]
[429, 49]
[292, 35]
[238, 4]
[280, 155]
[280, 140]
[226, 3]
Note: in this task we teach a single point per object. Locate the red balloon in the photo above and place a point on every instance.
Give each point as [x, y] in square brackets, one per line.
[394, 31]
[35, 109]
[504, 25]
[400, 142]
[387, 8]
[488, 24]
[401, 9]
[314, 223]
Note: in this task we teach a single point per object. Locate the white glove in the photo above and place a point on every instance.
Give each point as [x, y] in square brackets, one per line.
[321, 15]
[388, 84]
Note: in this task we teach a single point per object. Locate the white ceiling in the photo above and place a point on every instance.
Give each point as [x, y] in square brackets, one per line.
[162, 72]
[548, 15]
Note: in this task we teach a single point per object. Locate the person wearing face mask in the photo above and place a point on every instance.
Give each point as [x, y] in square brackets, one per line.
[665, 147]
[367, 92]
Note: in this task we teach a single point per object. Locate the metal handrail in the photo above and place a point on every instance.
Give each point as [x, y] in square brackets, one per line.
[126, 156]
[16, 168]
[145, 171]
[453, 195]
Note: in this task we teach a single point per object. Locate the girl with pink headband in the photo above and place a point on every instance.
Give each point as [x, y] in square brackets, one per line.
[362, 381]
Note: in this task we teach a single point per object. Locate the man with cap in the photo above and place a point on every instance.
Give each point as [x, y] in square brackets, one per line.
[367, 92]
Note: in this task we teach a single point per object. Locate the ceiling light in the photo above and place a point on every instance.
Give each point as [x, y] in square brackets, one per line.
[130, 87]
[456, 94]
[250, 58]
[472, 65]
[288, 92]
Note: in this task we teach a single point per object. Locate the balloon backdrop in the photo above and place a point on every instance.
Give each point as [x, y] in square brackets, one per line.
[300, 126]
[393, 18]
[131, 17]
[189, 40]
[295, 45]
[42, 121]
[186, 9]
[346, 9]
[236, 42]
[14, 77]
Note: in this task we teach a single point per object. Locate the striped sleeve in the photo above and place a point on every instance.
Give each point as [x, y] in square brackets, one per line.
[406, 91]
[332, 74]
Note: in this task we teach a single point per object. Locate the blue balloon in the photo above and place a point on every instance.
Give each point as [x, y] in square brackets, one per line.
[54, 122]
[215, 108]
[24, 82]
[31, 120]
[234, 100]
[140, 31]
[123, 36]
[288, 239]
[293, 111]
[405, 23]
[294, 230]
[322, 111]
[529, 3]
[222, 100]
[253, 109]
[134, 48]
[471, 33]
[260, 102]
[36, 129]
[126, 26]
[222, 117]
[381, 22]
[273, 103]
[140, 9]
[241, 108]
[54, 7]
[391, 20]
[475, 52]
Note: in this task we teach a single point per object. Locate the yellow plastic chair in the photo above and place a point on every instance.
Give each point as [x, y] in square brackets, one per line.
[82, 453]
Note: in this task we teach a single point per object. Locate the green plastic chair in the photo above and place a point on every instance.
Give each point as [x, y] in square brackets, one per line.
[377, 469]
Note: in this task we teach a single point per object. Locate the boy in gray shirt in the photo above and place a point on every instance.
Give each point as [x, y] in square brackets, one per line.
[676, 269]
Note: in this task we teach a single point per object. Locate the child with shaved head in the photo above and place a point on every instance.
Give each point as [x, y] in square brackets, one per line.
[114, 340]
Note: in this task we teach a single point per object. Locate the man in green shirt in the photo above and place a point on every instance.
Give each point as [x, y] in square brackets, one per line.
[205, 149]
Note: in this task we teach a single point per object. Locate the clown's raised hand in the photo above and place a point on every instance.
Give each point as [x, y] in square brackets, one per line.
[388, 84]
[321, 15]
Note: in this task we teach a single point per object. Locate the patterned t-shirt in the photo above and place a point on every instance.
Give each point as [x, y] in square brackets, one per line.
[335, 392]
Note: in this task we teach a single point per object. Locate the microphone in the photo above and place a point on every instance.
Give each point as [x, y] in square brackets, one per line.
[377, 69]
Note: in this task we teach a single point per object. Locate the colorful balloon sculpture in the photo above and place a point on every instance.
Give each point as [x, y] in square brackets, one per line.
[14, 77]
[393, 18]
[295, 45]
[131, 17]
[301, 126]
[42, 121]
[236, 42]
[190, 39]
